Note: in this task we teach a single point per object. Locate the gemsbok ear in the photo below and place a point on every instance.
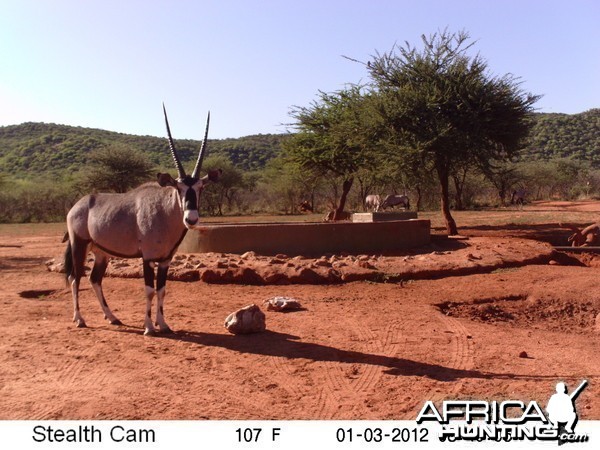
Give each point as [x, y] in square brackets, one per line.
[164, 179]
[213, 175]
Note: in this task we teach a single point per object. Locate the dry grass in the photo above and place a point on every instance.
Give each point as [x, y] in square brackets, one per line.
[535, 214]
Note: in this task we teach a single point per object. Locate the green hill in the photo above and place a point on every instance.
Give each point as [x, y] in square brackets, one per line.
[36, 148]
[566, 136]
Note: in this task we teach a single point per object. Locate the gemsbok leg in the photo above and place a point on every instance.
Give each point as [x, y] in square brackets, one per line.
[148, 267]
[161, 281]
[78, 249]
[100, 263]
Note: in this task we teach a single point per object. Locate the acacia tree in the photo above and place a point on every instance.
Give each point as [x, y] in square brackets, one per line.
[117, 168]
[442, 104]
[286, 184]
[504, 176]
[333, 138]
[409, 169]
[230, 183]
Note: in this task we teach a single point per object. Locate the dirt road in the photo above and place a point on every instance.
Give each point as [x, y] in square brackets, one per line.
[359, 350]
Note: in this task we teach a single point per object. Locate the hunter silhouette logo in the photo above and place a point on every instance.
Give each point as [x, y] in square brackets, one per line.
[562, 412]
[508, 420]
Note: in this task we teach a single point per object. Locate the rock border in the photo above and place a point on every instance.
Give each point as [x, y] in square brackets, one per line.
[441, 258]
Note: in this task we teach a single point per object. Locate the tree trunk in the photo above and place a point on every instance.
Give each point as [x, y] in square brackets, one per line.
[458, 203]
[419, 198]
[345, 190]
[445, 201]
[502, 195]
[363, 192]
[459, 185]
[229, 196]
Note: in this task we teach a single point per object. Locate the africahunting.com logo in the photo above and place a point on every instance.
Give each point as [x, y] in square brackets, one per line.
[478, 420]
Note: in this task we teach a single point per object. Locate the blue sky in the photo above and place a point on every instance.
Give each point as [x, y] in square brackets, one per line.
[110, 64]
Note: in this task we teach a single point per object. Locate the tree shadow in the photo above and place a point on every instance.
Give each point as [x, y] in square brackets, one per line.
[552, 233]
[438, 243]
[21, 262]
[272, 343]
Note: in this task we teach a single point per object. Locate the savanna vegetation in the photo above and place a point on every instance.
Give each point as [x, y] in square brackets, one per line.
[431, 122]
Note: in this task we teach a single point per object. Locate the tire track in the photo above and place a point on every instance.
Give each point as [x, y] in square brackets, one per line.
[371, 373]
[462, 354]
[350, 386]
[465, 352]
[338, 383]
[322, 407]
[87, 366]
[39, 410]
[69, 379]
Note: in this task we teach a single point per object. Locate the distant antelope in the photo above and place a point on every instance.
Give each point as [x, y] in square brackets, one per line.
[518, 198]
[148, 222]
[305, 206]
[394, 200]
[373, 202]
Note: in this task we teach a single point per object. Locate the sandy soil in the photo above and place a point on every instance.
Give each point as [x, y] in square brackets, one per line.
[492, 317]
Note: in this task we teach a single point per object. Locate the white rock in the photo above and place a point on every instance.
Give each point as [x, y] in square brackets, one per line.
[282, 304]
[249, 319]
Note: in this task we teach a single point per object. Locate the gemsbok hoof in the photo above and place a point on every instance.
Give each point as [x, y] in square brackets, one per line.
[166, 330]
[148, 332]
[81, 323]
[116, 322]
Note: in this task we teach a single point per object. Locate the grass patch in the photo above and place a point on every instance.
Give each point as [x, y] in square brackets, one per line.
[531, 215]
[32, 229]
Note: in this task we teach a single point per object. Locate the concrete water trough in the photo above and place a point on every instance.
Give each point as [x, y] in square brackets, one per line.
[383, 216]
[308, 238]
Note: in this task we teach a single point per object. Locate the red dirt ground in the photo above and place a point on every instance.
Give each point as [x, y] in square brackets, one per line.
[427, 327]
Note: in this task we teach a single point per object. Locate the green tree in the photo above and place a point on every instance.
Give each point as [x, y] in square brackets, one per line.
[117, 168]
[504, 176]
[333, 138]
[284, 184]
[442, 103]
[280, 185]
[538, 177]
[370, 182]
[224, 192]
[405, 169]
[570, 178]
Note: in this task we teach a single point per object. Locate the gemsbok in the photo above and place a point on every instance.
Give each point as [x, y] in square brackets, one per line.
[394, 200]
[518, 198]
[148, 222]
[373, 202]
